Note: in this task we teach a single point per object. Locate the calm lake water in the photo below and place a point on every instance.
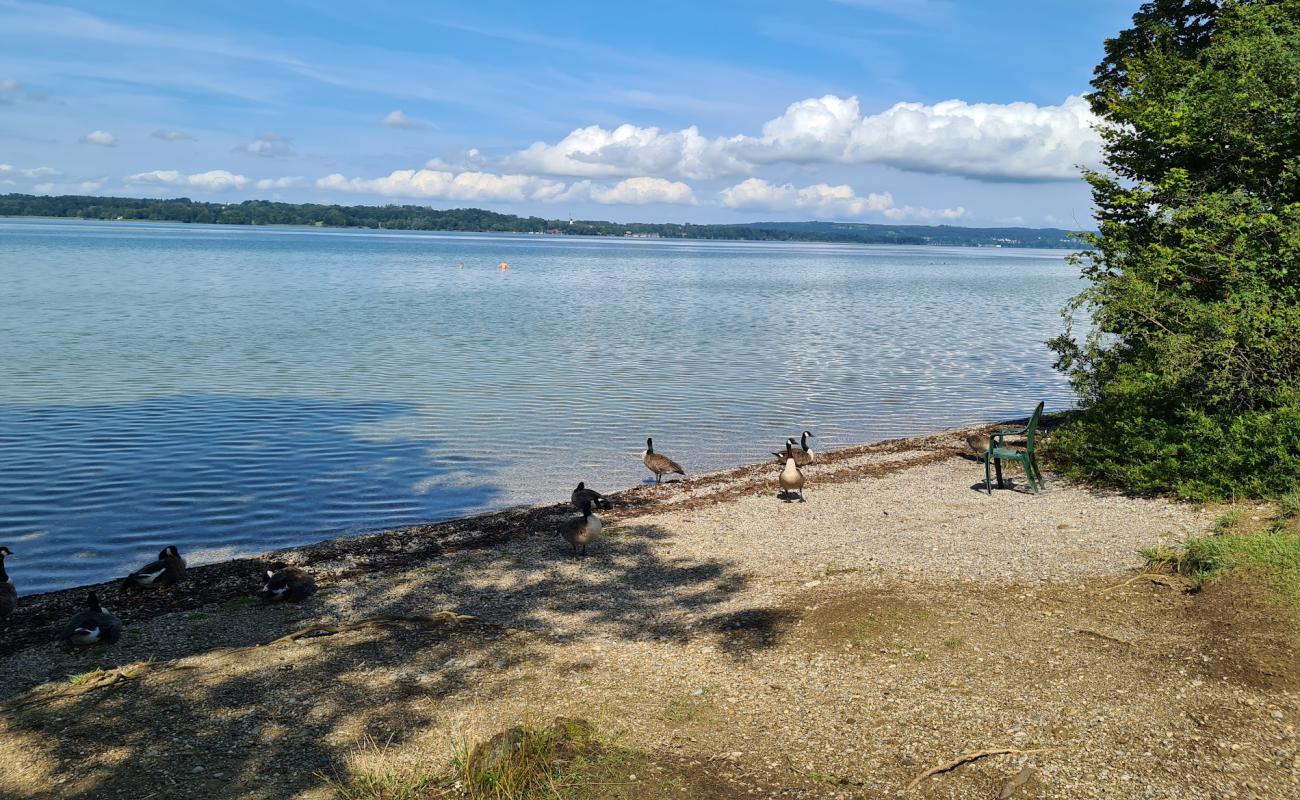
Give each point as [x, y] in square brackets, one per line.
[234, 390]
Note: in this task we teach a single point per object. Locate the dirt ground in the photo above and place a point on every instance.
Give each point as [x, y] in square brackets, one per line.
[896, 622]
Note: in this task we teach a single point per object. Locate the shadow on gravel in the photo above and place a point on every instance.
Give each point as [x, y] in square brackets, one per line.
[274, 720]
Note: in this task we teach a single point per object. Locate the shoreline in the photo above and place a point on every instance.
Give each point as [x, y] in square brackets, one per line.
[41, 614]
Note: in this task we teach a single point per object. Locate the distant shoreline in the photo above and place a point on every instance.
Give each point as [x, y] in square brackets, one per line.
[256, 213]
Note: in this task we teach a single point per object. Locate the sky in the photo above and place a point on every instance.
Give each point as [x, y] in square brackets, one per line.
[903, 111]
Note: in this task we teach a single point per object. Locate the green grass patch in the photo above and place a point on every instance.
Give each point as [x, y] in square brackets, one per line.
[565, 760]
[236, 605]
[1269, 557]
[77, 680]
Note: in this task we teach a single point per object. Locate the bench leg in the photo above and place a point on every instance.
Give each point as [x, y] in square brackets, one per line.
[1029, 473]
[988, 479]
[997, 464]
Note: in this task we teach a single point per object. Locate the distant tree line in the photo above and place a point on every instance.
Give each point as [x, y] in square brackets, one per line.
[421, 218]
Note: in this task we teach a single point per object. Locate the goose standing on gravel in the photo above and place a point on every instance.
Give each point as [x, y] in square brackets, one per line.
[658, 463]
[579, 532]
[92, 625]
[290, 583]
[8, 592]
[791, 479]
[584, 495]
[166, 571]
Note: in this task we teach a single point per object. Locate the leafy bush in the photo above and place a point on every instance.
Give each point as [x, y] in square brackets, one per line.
[1189, 376]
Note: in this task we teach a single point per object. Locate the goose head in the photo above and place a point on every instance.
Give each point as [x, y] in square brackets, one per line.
[5, 552]
[169, 551]
[92, 603]
[803, 441]
[649, 444]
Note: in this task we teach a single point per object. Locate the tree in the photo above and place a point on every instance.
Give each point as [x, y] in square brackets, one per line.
[1189, 375]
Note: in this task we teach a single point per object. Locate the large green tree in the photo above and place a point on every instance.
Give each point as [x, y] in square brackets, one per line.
[1190, 372]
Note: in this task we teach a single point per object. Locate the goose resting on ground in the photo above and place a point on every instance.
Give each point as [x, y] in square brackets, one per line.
[802, 455]
[166, 571]
[290, 583]
[93, 625]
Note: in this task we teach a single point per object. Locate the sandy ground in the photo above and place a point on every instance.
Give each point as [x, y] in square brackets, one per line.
[836, 648]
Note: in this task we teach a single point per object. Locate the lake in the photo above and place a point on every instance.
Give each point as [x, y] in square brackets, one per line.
[233, 390]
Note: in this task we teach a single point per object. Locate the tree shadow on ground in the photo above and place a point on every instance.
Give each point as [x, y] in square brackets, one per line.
[272, 721]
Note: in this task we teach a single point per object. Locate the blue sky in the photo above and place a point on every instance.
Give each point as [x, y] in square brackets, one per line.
[864, 110]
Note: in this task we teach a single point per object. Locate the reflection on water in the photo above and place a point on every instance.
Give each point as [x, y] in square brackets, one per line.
[237, 389]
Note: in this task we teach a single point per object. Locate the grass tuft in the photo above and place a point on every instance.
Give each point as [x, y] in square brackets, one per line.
[565, 759]
[77, 680]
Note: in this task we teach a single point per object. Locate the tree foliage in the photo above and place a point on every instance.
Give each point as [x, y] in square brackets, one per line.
[1190, 373]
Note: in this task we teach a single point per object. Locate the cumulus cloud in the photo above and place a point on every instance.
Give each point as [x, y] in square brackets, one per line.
[824, 200]
[41, 172]
[6, 168]
[431, 183]
[92, 186]
[927, 215]
[990, 141]
[396, 119]
[821, 199]
[985, 141]
[172, 135]
[631, 191]
[216, 180]
[294, 182]
[594, 152]
[101, 138]
[268, 145]
[10, 85]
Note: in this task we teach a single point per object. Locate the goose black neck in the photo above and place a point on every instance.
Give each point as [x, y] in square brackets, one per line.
[649, 445]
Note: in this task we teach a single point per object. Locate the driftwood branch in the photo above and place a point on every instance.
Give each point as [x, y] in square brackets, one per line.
[976, 756]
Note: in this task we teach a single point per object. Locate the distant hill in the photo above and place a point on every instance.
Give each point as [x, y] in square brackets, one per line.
[422, 218]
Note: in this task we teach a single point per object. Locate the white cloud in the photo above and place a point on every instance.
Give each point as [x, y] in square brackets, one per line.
[41, 172]
[986, 141]
[824, 200]
[429, 183]
[820, 199]
[10, 85]
[92, 186]
[294, 182]
[102, 138]
[172, 135]
[594, 152]
[268, 145]
[1013, 141]
[927, 215]
[396, 119]
[216, 180]
[6, 168]
[632, 191]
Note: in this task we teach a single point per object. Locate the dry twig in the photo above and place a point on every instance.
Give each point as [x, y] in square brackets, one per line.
[976, 756]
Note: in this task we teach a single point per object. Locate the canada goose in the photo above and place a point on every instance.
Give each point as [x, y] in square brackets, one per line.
[8, 592]
[290, 584]
[978, 444]
[659, 463]
[578, 532]
[584, 495]
[94, 624]
[802, 455]
[166, 571]
[792, 479]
